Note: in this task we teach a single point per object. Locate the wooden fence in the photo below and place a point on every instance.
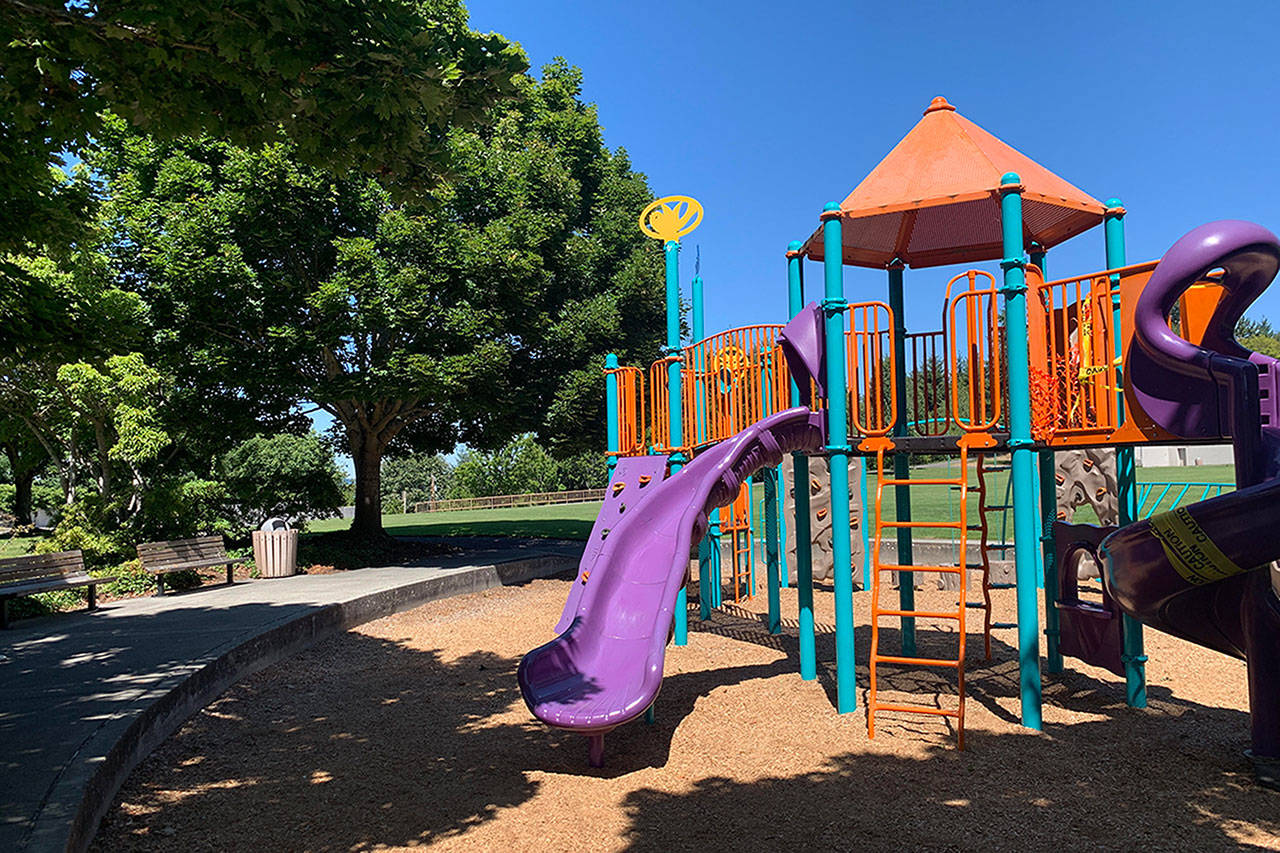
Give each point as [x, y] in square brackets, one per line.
[499, 501]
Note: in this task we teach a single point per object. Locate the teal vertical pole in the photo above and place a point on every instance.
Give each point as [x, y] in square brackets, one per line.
[708, 548]
[672, 251]
[1024, 475]
[800, 483]
[834, 307]
[780, 509]
[902, 461]
[1133, 653]
[611, 410]
[1048, 514]
[771, 548]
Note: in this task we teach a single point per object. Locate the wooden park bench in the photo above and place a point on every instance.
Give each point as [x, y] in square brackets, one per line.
[43, 573]
[182, 555]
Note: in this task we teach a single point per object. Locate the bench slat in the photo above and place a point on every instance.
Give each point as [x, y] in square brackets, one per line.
[189, 566]
[59, 558]
[30, 566]
[51, 584]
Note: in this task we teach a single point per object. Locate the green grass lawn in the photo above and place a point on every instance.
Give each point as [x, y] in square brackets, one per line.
[561, 521]
[16, 546]
[934, 503]
[573, 521]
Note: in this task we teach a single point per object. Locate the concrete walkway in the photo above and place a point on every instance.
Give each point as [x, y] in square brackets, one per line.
[85, 696]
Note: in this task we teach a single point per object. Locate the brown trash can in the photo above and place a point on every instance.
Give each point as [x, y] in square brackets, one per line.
[276, 552]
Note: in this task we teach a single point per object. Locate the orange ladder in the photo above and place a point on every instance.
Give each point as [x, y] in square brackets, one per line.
[737, 524]
[907, 575]
[983, 528]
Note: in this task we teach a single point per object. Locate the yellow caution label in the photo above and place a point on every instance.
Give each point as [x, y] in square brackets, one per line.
[1190, 550]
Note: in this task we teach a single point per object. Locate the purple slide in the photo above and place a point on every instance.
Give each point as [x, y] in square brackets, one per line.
[605, 668]
[1204, 572]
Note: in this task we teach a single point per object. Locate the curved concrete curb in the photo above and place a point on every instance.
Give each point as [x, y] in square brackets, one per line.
[78, 800]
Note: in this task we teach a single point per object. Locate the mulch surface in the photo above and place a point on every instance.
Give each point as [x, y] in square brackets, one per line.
[410, 731]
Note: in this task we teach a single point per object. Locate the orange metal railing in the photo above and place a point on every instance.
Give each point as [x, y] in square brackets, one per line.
[660, 410]
[871, 363]
[733, 379]
[631, 419]
[973, 322]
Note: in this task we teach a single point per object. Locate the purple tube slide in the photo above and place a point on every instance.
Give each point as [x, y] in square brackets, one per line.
[1204, 572]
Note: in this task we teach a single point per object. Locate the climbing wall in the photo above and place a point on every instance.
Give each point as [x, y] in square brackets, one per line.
[1087, 477]
[819, 486]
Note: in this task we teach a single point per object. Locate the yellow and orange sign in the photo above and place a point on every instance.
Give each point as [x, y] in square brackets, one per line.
[671, 218]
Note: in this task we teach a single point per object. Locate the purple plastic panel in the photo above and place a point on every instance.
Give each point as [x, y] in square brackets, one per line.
[803, 344]
[637, 476]
[1207, 391]
[1088, 631]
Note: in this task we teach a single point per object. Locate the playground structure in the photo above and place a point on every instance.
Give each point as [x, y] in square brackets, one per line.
[1021, 365]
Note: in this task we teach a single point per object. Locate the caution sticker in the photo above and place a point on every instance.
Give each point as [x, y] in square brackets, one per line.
[1190, 550]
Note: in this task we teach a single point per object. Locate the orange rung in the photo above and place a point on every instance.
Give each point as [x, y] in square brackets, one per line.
[921, 709]
[893, 567]
[921, 614]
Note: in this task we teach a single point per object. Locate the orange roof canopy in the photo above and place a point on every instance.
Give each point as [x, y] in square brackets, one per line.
[935, 199]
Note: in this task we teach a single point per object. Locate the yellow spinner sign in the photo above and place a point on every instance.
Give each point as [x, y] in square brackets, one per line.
[671, 218]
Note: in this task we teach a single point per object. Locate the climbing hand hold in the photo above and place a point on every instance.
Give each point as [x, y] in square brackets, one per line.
[617, 488]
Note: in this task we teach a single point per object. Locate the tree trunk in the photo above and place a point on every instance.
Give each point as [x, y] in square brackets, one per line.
[366, 453]
[22, 496]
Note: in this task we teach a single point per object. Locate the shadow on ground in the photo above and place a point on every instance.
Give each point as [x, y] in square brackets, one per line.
[429, 749]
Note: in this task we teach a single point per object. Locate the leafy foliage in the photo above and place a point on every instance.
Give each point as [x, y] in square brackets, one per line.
[417, 477]
[481, 313]
[291, 476]
[519, 466]
[373, 85]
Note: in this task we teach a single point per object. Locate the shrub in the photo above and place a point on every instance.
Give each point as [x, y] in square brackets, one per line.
[519, 466]
[294, 476]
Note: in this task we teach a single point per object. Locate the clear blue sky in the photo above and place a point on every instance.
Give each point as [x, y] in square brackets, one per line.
[765, 111]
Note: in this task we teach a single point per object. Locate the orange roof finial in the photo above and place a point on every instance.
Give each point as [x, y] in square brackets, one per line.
[938, 103]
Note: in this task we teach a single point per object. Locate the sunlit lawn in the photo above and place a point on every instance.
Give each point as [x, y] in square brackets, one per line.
[561, 521]
[16, 546]
[573, 521]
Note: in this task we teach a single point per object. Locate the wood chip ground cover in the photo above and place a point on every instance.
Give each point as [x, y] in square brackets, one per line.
[410, 732]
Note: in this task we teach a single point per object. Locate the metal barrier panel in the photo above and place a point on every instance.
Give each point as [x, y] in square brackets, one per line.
[973, 357]
[731, 380]
[871, 363]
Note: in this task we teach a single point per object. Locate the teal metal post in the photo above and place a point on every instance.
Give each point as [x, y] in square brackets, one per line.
[708, 548]
[672, 251]
[800, 483]
[611, 410]
[1025, 495]
[1133, 653]
[770, 476]
[834, 307]
[1048, 514]
[783, 571]
[902, 461]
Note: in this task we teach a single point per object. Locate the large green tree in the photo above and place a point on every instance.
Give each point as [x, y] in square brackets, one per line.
[480, 311]
[373, 85]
